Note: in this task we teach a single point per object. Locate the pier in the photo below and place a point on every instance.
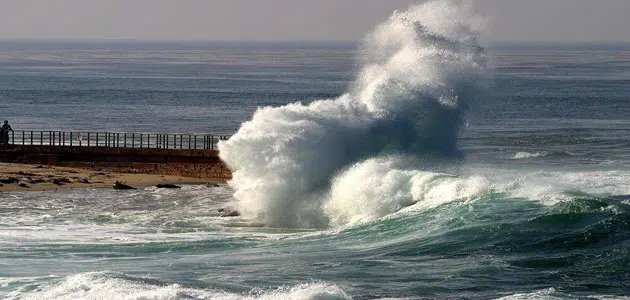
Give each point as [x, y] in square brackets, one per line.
[183, 154]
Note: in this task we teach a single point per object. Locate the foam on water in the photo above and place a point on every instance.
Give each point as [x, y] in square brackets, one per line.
[101, 216]
[107, 285]
[382, 186]
[420, 73]
[553, 294]
[525, 155]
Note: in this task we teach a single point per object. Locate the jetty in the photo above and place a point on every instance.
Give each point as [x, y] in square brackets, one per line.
[181, 154]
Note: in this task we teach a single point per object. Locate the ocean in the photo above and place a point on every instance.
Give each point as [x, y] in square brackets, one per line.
[418, 164]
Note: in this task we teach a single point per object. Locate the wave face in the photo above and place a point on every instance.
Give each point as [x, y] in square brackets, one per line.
[295, 165]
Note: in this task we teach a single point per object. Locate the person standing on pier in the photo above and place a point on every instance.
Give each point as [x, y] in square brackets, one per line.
[4, 133]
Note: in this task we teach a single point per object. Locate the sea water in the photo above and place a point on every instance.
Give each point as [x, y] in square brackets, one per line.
[417, 164]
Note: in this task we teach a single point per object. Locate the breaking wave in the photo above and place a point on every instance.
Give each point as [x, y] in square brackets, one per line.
[375, 146]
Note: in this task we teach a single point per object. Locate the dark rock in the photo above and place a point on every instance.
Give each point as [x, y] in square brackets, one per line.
[226, 212]
[23, 185]
[64, 180]
[25, 173]
[121, 186]
[57, 182]
[83, 180]
[212, 184]
[39, 167]
[38, 180]
[9, 180]
[167, 186]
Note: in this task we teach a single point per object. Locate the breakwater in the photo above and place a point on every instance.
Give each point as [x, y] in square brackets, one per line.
[191, 155]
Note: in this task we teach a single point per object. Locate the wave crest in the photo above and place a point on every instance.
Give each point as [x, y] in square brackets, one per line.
[419, 76]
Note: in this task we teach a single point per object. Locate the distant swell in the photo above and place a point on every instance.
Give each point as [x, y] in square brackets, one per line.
[420, 73]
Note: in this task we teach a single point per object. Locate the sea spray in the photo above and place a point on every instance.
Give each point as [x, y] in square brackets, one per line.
[419, 76]
[384, 185]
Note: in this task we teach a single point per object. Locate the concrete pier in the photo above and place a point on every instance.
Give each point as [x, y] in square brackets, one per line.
[151, 155]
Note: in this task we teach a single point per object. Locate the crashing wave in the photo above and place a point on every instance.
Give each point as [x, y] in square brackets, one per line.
[420, 74]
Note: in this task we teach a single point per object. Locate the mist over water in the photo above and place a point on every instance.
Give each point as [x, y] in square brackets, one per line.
[296, 165]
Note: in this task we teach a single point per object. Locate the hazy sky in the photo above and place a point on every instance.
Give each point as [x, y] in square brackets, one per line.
[508, 20]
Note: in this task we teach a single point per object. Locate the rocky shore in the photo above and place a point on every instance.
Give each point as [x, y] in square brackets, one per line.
[25, 177]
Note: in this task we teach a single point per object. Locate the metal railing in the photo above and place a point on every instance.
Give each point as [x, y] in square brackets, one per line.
[114, 139]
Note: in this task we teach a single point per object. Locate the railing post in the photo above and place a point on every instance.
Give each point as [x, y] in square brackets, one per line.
[31, 138]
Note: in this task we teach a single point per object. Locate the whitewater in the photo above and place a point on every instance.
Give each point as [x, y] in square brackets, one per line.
[301, 165]
[418, 164]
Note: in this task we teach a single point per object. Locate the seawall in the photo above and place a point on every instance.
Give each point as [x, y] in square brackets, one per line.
[199, 163]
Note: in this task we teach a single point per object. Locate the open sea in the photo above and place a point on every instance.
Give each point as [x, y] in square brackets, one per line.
[416, 165]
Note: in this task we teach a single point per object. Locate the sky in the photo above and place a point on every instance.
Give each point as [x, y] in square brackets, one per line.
[307, 20]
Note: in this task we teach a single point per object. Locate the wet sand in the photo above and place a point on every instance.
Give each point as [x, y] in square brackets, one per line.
[24, 177]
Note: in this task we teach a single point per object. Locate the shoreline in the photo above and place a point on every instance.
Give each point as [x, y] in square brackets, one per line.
[15, 177]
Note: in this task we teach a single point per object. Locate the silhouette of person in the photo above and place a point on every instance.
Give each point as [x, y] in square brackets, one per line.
[4, 133]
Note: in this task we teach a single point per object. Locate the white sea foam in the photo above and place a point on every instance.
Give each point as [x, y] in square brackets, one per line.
[525, 155]
[104, 285]
[553, 294]
[552, 186]
[420, 73]
[385, 185]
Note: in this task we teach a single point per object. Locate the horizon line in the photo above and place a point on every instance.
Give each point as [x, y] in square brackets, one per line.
[156, 41]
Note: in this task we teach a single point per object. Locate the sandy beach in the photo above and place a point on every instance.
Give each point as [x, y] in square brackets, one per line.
[25, 177]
